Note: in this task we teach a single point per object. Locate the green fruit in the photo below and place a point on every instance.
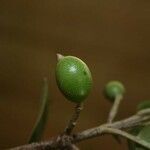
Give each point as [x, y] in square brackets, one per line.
[114, 88]
[143, 105]
[73, 78]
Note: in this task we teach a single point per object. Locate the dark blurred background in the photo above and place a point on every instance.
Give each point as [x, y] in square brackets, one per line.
[112, 37]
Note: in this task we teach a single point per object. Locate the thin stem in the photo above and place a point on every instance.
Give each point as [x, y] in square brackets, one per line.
[126, 135]
[122, 124]
[73, 121]
[114, 109]
[140, 118]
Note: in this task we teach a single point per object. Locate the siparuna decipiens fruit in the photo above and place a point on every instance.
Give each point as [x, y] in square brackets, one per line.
[73, 78]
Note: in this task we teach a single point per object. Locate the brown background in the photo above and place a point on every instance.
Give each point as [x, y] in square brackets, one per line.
[111, 36]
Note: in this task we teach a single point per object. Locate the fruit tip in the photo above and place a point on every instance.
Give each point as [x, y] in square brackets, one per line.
[59, 56]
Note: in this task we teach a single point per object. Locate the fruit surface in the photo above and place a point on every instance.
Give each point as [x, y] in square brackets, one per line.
[73, 78]
[114, 88]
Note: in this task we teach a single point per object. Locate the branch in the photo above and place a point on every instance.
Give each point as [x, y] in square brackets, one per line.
[113, 128]
[62, 142]
[135, 120]
[73, 121]
[126, 135]
[34, 146]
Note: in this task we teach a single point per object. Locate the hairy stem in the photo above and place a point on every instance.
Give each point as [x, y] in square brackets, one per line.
[73, 120]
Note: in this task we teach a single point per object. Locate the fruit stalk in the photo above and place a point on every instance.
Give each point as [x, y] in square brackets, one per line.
[114, 109]
[73, 121]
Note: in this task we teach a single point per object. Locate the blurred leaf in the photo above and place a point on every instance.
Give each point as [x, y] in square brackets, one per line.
[43, 115]
[144, 134]
[143, 105]
[135, 131]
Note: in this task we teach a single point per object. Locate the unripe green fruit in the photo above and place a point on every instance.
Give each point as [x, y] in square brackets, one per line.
[114, 88]
[143, 105]
[73, 78]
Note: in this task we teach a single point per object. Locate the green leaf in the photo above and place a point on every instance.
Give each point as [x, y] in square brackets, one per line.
[143, 105]
[144, 134]
[135, 131]
[42, 117]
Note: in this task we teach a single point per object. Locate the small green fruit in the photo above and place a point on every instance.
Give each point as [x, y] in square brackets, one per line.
[73, 78]
[114, 88]
[143, 105]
